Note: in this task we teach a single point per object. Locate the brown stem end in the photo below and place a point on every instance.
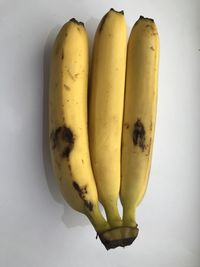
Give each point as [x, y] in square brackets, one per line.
[119, 237]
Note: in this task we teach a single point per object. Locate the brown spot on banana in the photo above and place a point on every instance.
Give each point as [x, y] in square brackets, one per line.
[88, 205]
[148, 147]
[126, 125]
[67, 87]
[78, 29]
[76, 75]
[53, 137]
[69, 139]
[139, 134]
[82, 191]
[62, 139]
[62, 54]
[151, 126]
[73, 77]
[149, 26]
[66, 152]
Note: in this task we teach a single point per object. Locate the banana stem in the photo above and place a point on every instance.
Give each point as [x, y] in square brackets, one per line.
[98, 221]
[113, 215]
[129, 215]
[112, 236]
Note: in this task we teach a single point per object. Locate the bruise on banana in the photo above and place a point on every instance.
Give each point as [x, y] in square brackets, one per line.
[62, 139]
[139, 135]
[82, 191]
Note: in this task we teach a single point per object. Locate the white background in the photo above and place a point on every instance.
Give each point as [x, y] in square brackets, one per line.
[37, 229]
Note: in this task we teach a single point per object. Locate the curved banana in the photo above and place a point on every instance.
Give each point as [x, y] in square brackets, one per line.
[139, 115]
[106, 109]
[68, 122]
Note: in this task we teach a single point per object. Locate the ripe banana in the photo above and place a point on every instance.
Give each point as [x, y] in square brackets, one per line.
[139, 115]
[68, 122]
[106, 109]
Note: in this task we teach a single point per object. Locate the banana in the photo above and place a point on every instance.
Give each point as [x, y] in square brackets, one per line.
[68, 130]
[106, 109]
[139, 115]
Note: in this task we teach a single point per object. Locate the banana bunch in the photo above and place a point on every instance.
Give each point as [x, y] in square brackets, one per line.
[101, 139]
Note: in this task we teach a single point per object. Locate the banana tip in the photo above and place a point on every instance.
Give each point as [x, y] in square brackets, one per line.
[142, 17]
[76, 21]
[120, 12]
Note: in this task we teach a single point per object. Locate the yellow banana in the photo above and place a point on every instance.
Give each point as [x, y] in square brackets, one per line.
[139, 115]
[68, 122]
[106, 109]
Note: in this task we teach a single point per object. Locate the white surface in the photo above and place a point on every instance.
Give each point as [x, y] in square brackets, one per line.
[37, 229]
